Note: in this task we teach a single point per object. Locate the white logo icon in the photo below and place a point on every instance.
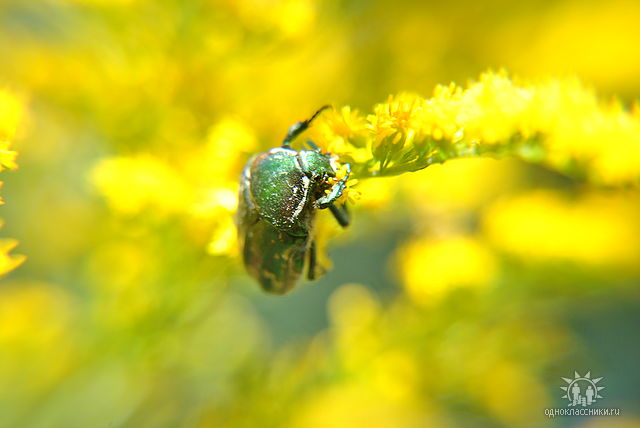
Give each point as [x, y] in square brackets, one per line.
[582, 390]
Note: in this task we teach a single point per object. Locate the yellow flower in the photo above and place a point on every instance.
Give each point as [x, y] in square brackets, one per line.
[7, 157]
[432, 268]
[229, 143]
[350, 405]
[132, 184]
[460, 183]
[219, 206]
[11, 112]
[593, 230]
[441, 114]
[395, 124]
[8, 262]
[558, 122]
[34, 317]
[343, 133]
[224, 237]
[291, 18]
[512, 394]
[345, 124]
[493, 108]
[349, 193]
[354, 312]
[376, 194]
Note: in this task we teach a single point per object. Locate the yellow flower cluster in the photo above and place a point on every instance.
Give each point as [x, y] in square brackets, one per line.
[201, 185]
[560, 123]
[404, 350]
[11, 111]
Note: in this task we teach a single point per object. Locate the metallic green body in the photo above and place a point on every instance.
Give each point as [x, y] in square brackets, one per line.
[280, 190]
[274, 257]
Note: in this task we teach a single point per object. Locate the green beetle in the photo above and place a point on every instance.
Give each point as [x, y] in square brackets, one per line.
[280, 189]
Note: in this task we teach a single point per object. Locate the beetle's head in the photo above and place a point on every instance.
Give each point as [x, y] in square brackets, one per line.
[327, 174]
[316, 165]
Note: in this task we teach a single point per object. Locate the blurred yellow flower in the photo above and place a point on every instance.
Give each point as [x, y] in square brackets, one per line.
[352, 306]
[293, 18]
[228, 145]
[594, 230]
[11, 112]
[376, 194]
[461, 183]
[431, 268]
[353, 312]
[33, 317]
[132, 184]
[8, 262]
[343, 132]
[201, 185]
[346, 406]
[126, 281]
[512, 394]
[224, 239]
[342, 126]
[7, 157]
[596, 40]
[395, 375]
[25, 305]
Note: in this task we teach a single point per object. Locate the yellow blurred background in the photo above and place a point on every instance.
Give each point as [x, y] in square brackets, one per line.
[459, 297]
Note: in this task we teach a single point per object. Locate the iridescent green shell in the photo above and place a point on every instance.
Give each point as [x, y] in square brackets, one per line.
[280, 190]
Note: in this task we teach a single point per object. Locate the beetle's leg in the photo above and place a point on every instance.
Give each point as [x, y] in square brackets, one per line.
[341, 214]
[327, 200]
[298, 128]
[311, 271]
[335, 192]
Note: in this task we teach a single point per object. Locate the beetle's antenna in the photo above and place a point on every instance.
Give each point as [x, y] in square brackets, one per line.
[298, 128]
[313, 146]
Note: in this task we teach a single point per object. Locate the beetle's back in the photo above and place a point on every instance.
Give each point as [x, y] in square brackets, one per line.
[274, 257]
[280, 191]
